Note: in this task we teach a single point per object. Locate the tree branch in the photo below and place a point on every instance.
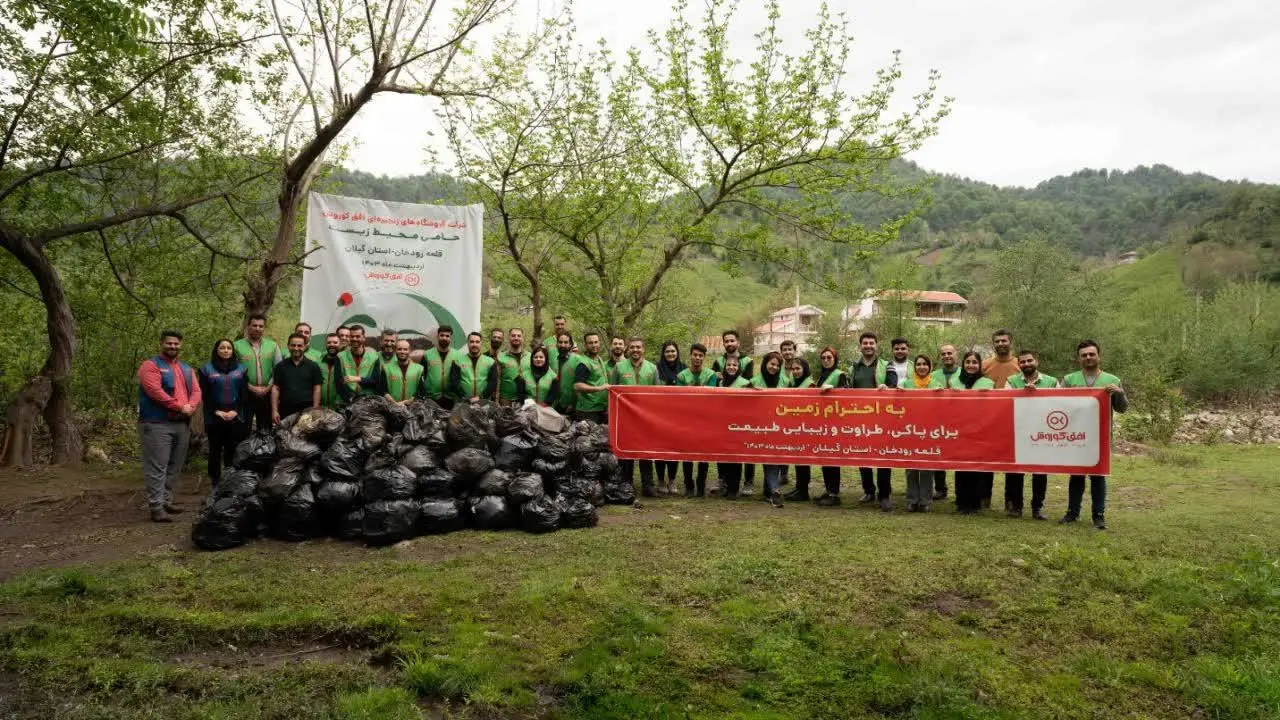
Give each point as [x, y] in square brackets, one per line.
[26, 101]
[106, 250]
[191, 230]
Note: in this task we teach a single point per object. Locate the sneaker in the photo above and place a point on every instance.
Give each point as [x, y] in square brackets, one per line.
[1099, 522]
[747, 489]
[776, 499]
[1013, 512]
[911, 507]
[886, 505]
[922, 508]
[829, 500]
[1069, 518]
[172, 509]
[158, 515]
[797, 495]
[1038, 514]
[939, 496]
[867, 498]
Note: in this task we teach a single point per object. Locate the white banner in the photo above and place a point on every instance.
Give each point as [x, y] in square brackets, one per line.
[403, 266]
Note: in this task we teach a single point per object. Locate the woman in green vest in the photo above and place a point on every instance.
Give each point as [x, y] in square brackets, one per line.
[730, 474]
[538, 382]
[973, 488]
[800, 380]
[920, 482]
[772, 377]
[830, 376]
[669, 368]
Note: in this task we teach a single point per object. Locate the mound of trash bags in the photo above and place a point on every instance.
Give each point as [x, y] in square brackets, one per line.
[380, 472]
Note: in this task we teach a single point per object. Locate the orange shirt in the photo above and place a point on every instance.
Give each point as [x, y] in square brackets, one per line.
[998, 371]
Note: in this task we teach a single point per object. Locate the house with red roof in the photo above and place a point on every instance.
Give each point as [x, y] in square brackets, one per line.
[926, 307]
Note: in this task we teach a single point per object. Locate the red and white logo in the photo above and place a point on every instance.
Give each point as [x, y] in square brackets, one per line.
[412, 279]
[1057, 420]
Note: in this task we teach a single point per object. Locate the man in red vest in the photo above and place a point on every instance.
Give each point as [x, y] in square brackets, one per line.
[168, 395]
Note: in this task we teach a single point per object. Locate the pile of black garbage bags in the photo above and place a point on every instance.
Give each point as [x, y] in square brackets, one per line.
[380, 473]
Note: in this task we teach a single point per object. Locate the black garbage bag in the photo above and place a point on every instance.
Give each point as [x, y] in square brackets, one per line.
[237, 482]
[581, 487]
[470, 464]
[256, 452]
[590, 439]
[515, 452]
[419, 460]
[541, 515]
[223, 524]
[427, 410]
[555, 448]
[381, 459]
[285, 477]
[319, 425]
[397, 415]
[589, 465]
[439, 516]
[290, 445]
[336, 496]
[366, 424]
[494, 482]
[390, 483]
[395, 445]
[312, 477]
[490, 512]
[550, 469]
[297, 519]
[351, 525]
[416, 430]
[525, 488]
[439, 484]
[508, 420]
[470, 426]
[344, 460]
[608, 466]
[437, 441]
[577, 513]
[620, 493]
[387, 522]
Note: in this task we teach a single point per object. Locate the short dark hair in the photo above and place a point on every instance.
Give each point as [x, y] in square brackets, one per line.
[1032, 353]
[785, 343]
[565, 335]
[389, 333]
[511, 330]
[300, 324]
[635, 338]
[165, 334]
[727, 333]
[617, 337]
[900, 341]
[540, 349]
[294, 335]
[588, 334]
[341, 327]
[494, 330]
[867, 335]
[473, 333]
[332, 334]
[698, 347]
[1088, 343]
[559, 317]
[1000, 332]
[255, 316]
[444, 328]
[356, 327]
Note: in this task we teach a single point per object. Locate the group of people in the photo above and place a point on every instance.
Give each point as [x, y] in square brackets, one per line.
[249, 382]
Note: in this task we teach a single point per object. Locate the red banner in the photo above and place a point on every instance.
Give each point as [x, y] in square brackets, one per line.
[1044, 431]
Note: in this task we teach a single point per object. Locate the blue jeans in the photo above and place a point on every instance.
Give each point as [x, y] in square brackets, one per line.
[772, 478]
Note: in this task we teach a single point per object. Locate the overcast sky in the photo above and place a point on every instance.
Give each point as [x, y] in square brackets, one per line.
[1041, 87]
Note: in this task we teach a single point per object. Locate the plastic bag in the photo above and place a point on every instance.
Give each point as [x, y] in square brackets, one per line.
[338, 495]
[608, 466]
[555, 448]
[470, 464]
[508, 420]
[581, 487]
[441, 516]
[351, 526]
[470, 427]
[491, 512]
[494, 482]
[589, 466]
[344, 460]
[438, 483]
[397, 415]
[391, 483]
[365, 423]
[380, 460]
[544, 419]
[223, 523]
[576, 513]
[620, 493]
[387, 522]
[296, 519]
[319, 425]
[290, 445]
[548, 469]
[416, 431]
[287, 475]
[395, 445]
[590, 439]
[237, 482]
[436, 441]
[256, 452]
[541, 515]
[419, 460]
[515, 452]
[525, 488]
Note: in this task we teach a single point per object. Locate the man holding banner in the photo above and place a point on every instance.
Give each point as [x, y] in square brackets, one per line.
[1092, 376]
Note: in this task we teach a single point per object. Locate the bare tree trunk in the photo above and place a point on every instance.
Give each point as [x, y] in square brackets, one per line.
[535, 296]
[60, 325]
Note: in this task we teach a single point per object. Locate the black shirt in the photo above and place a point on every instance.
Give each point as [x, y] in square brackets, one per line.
[296, 383]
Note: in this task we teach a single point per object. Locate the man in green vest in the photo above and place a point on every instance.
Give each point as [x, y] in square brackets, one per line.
[591, 383]
[1091, 376]
[259, 355]
[732, 347]
[869, 371]
[696, 375]
[565, 362]
[358, 365]
[635, 370]
[512, 364]
[439, 362]
[344, 337]
[312, 354]
[617, 354]
[401, 381]
[552, 342]
[1028, 378]
[333, 391]
[948, 374]
[475, 376]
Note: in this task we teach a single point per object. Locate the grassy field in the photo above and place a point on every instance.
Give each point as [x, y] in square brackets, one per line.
[707, 609]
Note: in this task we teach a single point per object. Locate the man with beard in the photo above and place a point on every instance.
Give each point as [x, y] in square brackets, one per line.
[475, 376]
[732, 347]
[868, 372]
[564, 362]
[259, 355]
[168, 396]
[344, 337]
[438, 362]
[511, 364]
[552, 343]
[358, 364]
[1091, 376]
[304, 329]
[1003, 365]
[401, 381]
[788, 350]
[635, 370]
[696, 375]
[295, 383]
[617, 354]
[948, 375]
[591, 383]
[902, 366]
[1029, 378]
[333, 392]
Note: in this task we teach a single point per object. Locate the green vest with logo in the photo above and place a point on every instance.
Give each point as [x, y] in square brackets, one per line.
[511, 368]
[806, 383]
[1077, 380]
[625, 373]
[350, 368]
[435, 372]
[329, 396]
[597, 374]
[882, 371]
[784, 381]
[403, 384]
[948, 381]
[739, 382]
[475, 377]
[567, 394]
[744, 364]
[539, 389]
[260, 364]
[706, 378]
[982, 384]
[833, 380]
[1018, 382]
[315, 355]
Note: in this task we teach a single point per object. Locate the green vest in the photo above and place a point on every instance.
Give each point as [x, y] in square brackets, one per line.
[436, 370]
[783, 382]
[982, 384]
[740, 382]
[475, 377]
[706, 378]
[511, 368]
[806, 383]
[908, 383]
[259, 364]
[1044, 381]
[349, 368]
[625, 373]
[567, 394]
[833, 380]
[541, 388]
[315, 355]
[1076, 380]
[596, 401]
[882, 371]
[951, 382]
[403, 385]
[744, 364]
[329, 396]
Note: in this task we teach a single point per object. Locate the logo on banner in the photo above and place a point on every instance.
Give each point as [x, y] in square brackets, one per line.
[1057, 420]
[1057, 430]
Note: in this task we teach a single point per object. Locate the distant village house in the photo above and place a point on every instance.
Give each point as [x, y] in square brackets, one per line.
[925, 307]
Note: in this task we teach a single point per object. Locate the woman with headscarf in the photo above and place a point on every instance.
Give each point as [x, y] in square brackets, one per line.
[224, 385]
[772, 377]
[538, 382]
[669, 367]
[920, 482]
[973, 486]
[800, 379]
[830, 376]
[730, 474]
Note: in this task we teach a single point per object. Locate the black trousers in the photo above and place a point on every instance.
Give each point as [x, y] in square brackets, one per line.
[883, 485]
[702, 476]
[940, 482]
[629, 472]
[802, 477]
[223, 439]
[667, 470]
[749, 475]
[730, 477]
[1013, 490]
[259, 411]
[969, 489]
[831, 479]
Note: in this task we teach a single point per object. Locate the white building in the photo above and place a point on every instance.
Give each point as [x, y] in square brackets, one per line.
[927, 307]
[798, 324]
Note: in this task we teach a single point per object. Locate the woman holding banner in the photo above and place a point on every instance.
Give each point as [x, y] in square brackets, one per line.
[800, 379]
[730, 474]
[830, 376]
[920, 482]
[772, 377]
[973, 486]
[669, 369]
